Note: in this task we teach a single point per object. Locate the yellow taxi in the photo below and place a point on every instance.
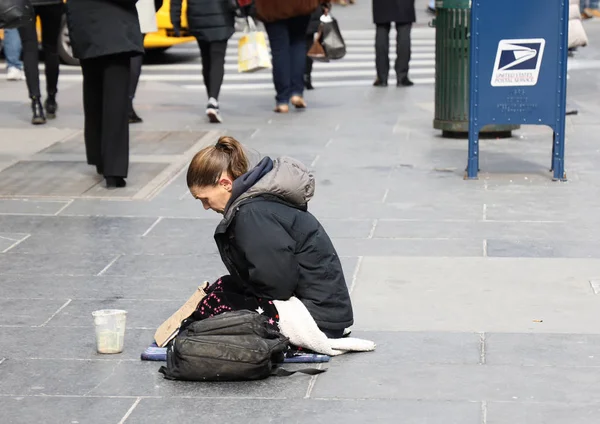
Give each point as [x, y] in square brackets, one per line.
[157, 41]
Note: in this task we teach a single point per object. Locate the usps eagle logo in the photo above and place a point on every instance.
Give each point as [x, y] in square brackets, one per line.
[518, 62]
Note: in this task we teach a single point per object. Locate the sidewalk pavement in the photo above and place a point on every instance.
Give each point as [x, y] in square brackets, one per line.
[483, 296]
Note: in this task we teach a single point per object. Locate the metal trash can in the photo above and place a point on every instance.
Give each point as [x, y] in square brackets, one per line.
[452, 33]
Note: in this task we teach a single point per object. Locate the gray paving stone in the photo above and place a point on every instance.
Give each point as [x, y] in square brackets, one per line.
[57, 264]
[409, 247]
[155, 208]
[31, 206]
[474, 295]
[143, 379]
[556, 350]
[94, 287]
[205, 267]
[27, 312]
[402, 347]
[76, 225]
[201, 229]
[37, 409]
[125, 245]
[8, 240]
[482, 230]
[67, 343]
[543, 249]
[44, 178]
[541, 413]
[39, 377]
[141, 313]
[460, 383]
[305, 411]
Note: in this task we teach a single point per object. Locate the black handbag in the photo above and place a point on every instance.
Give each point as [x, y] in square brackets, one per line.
[332, 40]
[15, 13]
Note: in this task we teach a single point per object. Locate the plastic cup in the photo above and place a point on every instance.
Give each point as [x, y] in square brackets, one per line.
[110, 330]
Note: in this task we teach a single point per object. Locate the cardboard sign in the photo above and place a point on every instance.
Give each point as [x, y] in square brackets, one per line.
[170, 328]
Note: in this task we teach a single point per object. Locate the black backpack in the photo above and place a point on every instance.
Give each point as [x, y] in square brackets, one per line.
[238, 345]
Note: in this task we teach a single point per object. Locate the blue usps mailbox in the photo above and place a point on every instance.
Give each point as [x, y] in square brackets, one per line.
[518, 70]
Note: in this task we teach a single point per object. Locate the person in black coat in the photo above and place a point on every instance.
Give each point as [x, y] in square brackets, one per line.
[402, 14]
[313, 28]
[212, 22]
[269, 242]
[50, 13]
[105, 34]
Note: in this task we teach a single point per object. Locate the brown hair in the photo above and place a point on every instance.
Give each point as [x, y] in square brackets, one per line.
[209, 163]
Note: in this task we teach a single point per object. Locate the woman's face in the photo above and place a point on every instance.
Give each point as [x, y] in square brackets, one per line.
[214, 197]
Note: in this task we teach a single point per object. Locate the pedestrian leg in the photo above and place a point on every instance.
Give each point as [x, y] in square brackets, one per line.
[115, 126]
[93, 89]
[297, 33]
[279, 40]
[402, 54]
[382, 59]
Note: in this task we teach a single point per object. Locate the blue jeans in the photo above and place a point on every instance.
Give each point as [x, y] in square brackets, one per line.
[592, 4]
[12, 48]
[288, 48]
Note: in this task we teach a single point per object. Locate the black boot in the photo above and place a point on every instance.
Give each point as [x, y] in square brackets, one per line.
[133, 117]
[51, 106]
[115, 182]
[308, 82]
[38, 112]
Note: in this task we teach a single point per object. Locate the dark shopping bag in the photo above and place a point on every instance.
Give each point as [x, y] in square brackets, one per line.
[332, 40]
[15, 13]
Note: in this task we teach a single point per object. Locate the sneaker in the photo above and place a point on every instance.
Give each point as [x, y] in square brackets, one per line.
[212, 111]
[14, 74]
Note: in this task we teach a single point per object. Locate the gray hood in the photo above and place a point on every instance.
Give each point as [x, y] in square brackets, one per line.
[289, 180]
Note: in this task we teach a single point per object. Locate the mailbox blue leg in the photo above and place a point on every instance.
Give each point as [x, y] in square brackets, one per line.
[558, 156]
[473, 163]
[553, 151]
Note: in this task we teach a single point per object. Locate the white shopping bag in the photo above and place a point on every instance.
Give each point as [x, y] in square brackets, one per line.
[253, 53]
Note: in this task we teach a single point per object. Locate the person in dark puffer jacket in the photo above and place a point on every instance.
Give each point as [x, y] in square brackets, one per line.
[50, 13]
[269, 242]
[212, 22]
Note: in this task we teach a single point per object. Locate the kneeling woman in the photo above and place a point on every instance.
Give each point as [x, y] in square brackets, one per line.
[271, 245]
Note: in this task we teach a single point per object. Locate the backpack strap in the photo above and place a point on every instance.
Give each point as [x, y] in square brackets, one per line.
[282, 372]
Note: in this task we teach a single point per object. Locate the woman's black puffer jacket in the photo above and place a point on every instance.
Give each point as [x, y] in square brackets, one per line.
[208, 20]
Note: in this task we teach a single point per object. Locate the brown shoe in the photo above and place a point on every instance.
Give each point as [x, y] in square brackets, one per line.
[594, 13]
[298, 102]
[281, 109]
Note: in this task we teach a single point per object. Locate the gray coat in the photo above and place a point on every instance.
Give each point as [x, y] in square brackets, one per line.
[277, 249]
[399, 11]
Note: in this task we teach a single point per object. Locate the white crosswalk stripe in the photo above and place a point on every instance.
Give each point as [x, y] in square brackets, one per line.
[357, 68]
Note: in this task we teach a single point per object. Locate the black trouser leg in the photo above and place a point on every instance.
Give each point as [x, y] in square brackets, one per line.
[31, 58]
[205, 56]
[309, 62]
[136, 71]
[402, 50]
[93, 88]
[115, 123]
[382, 49]
[51, 19]
[217, 67]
